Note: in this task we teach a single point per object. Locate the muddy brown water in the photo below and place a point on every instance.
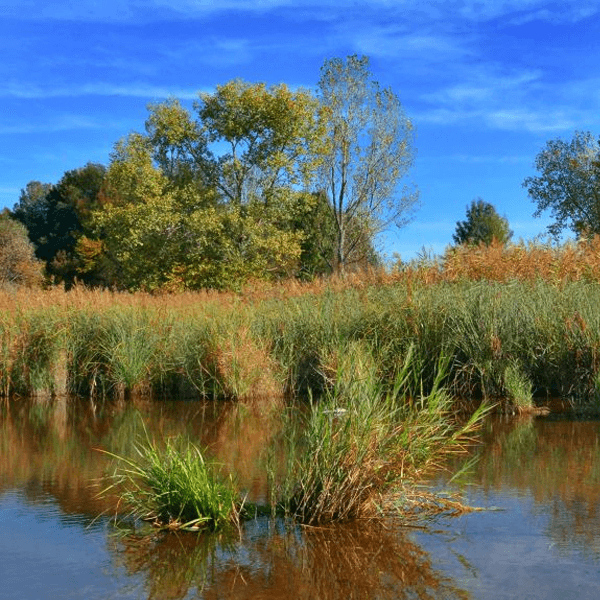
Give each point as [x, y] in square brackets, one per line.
[537, 478]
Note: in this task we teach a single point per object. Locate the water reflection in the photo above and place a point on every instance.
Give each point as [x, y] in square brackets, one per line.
[273, 560]
[52, 445]
[556, 462]
[545, 473]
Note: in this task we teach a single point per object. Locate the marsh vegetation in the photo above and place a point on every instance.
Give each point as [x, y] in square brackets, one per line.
[376, 361]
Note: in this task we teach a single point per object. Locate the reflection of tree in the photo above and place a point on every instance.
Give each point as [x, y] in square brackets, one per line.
[234, 434]
[47, 446]
[272, 561]
[557, 462]
[351, 561]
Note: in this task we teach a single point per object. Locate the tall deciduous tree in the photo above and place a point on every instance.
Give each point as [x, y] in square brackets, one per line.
[213, 201]
[370, 149]
[482, 225]
[569, 184]
[271, 135]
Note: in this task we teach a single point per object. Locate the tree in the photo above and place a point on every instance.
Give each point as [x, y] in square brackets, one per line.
[569, 184]
[56, 216]
[482, 225]
[154, 244]
[272, 138]
[370, 148]
[211, 200]
[18, 264]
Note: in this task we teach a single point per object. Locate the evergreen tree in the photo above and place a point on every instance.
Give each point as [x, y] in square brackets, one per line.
[482, 225]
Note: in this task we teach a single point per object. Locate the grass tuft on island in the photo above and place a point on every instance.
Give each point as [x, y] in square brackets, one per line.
[354, 452]
[174, 487]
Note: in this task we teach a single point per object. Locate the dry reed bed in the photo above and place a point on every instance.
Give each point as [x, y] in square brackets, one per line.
[513, 321]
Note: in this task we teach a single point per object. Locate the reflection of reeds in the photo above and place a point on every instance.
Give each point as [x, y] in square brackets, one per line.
[172, 565]
[361, 561]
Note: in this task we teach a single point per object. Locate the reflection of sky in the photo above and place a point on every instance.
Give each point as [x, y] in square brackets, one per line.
[44, 556]
[507, 554]
[539, 535]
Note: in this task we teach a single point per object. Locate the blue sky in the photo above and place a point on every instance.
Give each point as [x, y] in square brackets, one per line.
[486, 83]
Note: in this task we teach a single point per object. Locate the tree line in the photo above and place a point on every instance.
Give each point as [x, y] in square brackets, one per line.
[257, 182]
[251, 182]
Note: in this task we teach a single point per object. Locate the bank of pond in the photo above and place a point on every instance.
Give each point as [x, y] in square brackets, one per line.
[511, 342]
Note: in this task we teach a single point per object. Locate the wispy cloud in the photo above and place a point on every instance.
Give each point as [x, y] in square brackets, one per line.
[509, 119]
[64, 123]
[60, 123]
[24, 90]
[134, 11]
[486, 159]
[517, 100]
[539, 121]
[392, 41]
[211, 50]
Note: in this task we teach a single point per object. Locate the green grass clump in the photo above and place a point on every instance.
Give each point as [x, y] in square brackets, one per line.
[37, 360]
[175, 487]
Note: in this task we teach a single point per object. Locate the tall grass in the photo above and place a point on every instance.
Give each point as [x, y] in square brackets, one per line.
[514, 322]
[360, 443]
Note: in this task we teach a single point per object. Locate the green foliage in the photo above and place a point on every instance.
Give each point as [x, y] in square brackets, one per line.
[272, 136]
[175, 486]
[369, 150]
[155, 244]
[178, 144]
[132, 177]
[518, 387]
[482, 225]
[57, 216]
[314, 221]
[569, 184]
[176, 216]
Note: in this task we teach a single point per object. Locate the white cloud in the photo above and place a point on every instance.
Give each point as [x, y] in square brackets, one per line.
[210, 50]
[497, 97]
[486, 159]
[392, 41]
[24, 90]
[509, 119]
[63, 123]
[530, 120]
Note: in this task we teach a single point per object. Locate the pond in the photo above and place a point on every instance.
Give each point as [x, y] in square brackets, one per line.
[537, 479]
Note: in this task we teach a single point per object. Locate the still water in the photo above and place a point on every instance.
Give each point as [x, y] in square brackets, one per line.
[537, 479]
